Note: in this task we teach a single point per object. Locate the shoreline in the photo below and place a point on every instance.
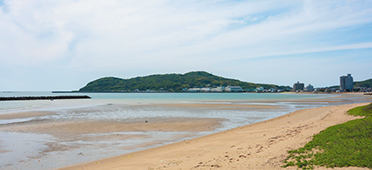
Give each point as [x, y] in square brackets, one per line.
[77, 131]
[262, 145]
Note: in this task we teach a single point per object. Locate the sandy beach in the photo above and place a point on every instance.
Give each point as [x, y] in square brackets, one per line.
[261, 145]
[166, 134]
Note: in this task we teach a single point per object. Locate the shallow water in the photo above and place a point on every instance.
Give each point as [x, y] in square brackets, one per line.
[40, 149]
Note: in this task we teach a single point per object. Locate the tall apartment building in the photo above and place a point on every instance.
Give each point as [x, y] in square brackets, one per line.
[298, 86]
[309, 88]
[346, 83]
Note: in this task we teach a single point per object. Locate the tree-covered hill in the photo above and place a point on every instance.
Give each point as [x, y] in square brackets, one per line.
[168, 82]
[365, 83]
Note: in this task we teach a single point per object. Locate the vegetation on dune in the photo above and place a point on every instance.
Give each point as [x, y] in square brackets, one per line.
[344, 145]
[361, 111]
[167, 82]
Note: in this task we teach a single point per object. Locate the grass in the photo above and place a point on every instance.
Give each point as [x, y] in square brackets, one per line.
[344, 145]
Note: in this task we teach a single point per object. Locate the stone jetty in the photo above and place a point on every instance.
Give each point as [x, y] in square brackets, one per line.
[44, 97]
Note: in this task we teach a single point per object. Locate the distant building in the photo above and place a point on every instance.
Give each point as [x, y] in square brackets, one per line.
[309, 88]
[205, 89]
[194, 90]
[218, 89]
[298, 86]
[259, 89]
[233, 89]
[346, 83]
[273, 90]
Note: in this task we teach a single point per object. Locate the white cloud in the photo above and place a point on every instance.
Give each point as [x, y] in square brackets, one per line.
[158, 34]
[30, 36]
[41, 31]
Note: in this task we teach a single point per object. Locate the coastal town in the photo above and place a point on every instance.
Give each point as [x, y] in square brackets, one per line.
[346, 85]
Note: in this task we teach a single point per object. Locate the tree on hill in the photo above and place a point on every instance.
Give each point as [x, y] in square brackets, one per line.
[365, 83]
[168, 82]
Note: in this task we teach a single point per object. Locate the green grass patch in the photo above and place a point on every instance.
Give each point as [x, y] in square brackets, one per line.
[343, 145]
[361, 111]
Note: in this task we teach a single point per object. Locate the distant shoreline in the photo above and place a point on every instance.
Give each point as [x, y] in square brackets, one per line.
[153, 92]
[359, 93]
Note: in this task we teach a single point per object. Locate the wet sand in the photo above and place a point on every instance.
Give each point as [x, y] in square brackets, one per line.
[261, 145]
[74, 136]
[21, 115]
[217, 105]
[70, 129]
[86, 140]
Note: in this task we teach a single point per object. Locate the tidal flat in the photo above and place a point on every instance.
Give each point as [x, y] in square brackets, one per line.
[56, 134]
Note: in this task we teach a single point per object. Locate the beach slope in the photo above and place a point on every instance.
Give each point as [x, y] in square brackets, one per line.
[261, 145]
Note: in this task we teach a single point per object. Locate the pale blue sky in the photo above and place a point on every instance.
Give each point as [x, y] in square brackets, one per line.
[62, 45]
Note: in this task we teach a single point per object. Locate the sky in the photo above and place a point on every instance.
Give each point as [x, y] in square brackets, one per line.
[50, 45]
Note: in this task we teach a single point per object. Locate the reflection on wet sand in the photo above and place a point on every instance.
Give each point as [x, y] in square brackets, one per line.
[68, 129]
[31, 140]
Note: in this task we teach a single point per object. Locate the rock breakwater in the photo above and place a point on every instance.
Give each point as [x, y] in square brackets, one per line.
[44, 97]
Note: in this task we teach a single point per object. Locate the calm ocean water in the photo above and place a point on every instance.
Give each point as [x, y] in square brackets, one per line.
[141, 98]
[26, 150]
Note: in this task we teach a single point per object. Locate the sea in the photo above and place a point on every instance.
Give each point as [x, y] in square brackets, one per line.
[40, 150]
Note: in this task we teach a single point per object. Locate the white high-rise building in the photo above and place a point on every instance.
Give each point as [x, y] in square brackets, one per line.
[346, 83]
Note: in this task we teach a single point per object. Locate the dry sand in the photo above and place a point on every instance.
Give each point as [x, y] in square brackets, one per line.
[261, 145]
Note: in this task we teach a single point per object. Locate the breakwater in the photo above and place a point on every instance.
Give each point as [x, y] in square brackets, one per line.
[44, 97]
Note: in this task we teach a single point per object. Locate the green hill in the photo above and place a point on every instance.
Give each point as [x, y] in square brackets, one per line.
[365, 83]
[168, 82]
